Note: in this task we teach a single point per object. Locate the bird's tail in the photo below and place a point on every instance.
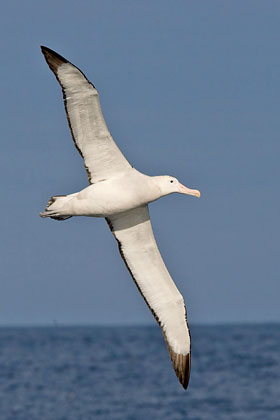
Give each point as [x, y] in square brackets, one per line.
[56, 207]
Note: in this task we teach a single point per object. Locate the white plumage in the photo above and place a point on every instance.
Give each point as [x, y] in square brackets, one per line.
[121, 194]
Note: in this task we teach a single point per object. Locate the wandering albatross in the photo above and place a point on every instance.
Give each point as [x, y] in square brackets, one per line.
[120, 194]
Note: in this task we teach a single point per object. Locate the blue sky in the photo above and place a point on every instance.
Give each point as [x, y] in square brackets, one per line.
[188, 88]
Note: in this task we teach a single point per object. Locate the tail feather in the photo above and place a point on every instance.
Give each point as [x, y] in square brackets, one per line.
[56, 211]
[53, 215]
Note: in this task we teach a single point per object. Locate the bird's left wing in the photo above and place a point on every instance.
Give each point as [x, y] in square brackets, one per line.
[138, 248]
[102, 157]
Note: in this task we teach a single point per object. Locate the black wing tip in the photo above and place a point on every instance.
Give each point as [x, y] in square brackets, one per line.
[185, 380]
[50, 52]
[182, 366]
[53, 59]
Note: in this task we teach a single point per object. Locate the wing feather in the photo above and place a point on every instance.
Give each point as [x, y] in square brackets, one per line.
[138, 248]
[102, 157]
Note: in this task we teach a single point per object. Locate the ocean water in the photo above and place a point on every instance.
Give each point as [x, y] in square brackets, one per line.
[124, 373]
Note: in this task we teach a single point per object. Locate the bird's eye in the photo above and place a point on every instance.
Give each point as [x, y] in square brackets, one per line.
[171, 181]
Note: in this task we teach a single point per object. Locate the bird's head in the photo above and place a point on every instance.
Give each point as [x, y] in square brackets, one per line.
[169, 184]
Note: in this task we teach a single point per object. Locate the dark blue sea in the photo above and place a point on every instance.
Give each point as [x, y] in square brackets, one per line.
[124, 373]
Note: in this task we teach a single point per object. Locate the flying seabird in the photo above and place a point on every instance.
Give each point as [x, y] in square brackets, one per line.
[120, 194]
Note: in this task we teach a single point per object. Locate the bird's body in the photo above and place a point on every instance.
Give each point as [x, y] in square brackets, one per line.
[121, 194]
[125, 191]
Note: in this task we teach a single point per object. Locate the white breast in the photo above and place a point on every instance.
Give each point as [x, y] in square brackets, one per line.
[130, 190]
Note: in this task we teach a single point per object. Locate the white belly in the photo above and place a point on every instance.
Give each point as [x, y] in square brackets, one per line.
[114, 196]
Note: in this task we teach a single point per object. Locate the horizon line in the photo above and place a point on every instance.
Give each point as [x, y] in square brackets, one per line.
[56, 324]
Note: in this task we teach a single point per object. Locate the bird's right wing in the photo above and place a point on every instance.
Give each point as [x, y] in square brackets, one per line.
[138, 248]
[102, 157]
